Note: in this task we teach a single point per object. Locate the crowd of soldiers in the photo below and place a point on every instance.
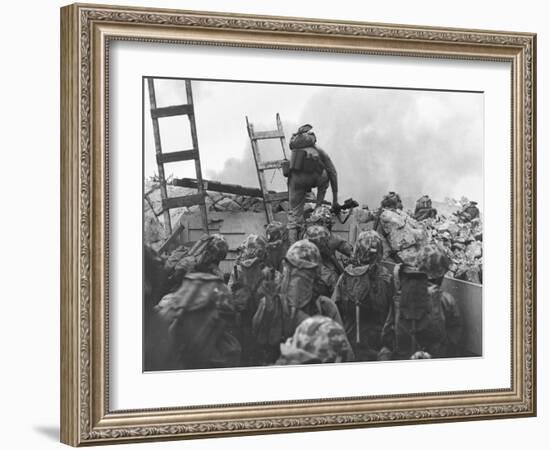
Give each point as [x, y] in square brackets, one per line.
[317, 300]
[301, 294]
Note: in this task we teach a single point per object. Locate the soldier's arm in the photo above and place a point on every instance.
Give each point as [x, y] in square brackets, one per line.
[331, 171]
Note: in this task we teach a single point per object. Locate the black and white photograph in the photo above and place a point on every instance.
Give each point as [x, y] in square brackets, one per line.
[288, 224]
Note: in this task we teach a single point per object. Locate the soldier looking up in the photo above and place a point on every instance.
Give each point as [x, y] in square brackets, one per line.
[310, 167]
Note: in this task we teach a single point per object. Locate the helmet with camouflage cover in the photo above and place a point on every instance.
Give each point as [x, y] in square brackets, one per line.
[319, 235]
[303, 255]
[276, 231]
[392, 200]
[368, 247]
[433, 261]
[197, 291]
[252, 247]
[317, 339]
[209, 249]
[421, 355]
[321, 216]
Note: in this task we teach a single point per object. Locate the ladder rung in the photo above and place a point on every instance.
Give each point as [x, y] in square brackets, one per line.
[185, 155]
[273, 134]
[266, 165]
[169, 111]
[275, 196]
[186, 200]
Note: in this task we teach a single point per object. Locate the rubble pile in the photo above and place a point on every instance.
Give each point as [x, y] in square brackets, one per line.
[464, 244]
[459, 231]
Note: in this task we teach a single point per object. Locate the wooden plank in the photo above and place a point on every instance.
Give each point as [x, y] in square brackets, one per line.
[267, 165]
[275, 196]
[216, 186]
[186, 200]
[158, 151]
[184, 155]
[170, 111]
[198, 170]
[172, 239]
[271, 134]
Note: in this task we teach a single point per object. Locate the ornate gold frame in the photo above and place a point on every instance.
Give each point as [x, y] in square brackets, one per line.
[86, 31]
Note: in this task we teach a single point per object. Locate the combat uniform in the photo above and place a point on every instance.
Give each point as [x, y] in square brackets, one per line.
[424, 209]
[317, 340]
[322, 215]
[364, 293]
[469, 212]
[194, 327]
[277, 244]
[404, 236]
[310, 167]
[427, 319]
[331, 267]
[247, 284]
[280, 312]
[204, 256]
[328, 270]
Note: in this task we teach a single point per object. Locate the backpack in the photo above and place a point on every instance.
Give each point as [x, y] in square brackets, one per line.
[420, 320]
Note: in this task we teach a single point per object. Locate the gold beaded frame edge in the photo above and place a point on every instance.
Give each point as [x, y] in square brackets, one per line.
[86, 31]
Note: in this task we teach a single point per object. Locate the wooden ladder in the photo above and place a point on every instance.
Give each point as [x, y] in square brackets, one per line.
[193, 154]
[263, 166]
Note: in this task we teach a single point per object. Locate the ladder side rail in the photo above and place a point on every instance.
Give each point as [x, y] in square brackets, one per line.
[158, 150]
[261, 177]
[282, 132]
[198, 171]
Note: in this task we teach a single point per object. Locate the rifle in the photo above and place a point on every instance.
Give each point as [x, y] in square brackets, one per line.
[348, 205]
[396, 304]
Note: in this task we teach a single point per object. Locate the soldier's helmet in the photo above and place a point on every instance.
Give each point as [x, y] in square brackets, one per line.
[276, 231]
[421, 355]
[253, 246]
[368, 247]
[197, 291]
[303, 255]
[319, 339]
[305, 128]
[433, 261]
[392, 200]
[321, 216]
[423, 202]
[210, 248]
[319, 235]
